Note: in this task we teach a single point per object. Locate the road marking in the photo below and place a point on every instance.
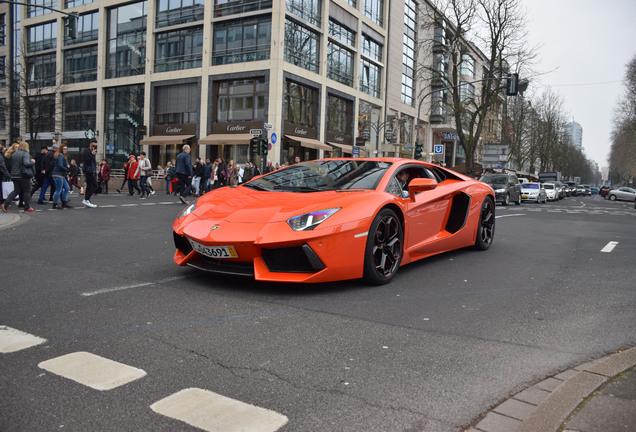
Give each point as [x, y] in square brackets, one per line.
[516, 214]
[92, 370]
[213, 412]
[12, 340]
[121, 288]
[609, 247]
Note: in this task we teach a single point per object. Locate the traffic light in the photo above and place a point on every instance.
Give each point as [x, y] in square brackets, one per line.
[264, 145]
[255, 145]
[512, 84]
[418, 149]
[71, 26]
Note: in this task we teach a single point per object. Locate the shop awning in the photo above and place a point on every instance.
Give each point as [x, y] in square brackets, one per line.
[165, 139]
[310, 143]
[345, 147]
[217, 139]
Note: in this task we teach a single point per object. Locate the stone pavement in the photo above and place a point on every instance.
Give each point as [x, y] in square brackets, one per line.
[599, 396]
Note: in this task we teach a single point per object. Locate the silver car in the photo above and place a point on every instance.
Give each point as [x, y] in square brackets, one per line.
[533, 192]
[624, 193]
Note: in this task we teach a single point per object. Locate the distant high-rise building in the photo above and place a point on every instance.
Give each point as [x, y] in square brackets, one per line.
[575, 132]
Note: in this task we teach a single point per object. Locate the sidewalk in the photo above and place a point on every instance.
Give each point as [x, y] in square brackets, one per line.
[599, 396]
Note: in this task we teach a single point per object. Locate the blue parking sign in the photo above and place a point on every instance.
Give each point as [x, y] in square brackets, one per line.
[438, 149]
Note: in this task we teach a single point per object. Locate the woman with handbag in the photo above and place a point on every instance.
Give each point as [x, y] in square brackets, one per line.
[22, 171]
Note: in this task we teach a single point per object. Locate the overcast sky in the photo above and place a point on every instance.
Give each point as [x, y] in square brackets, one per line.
[584, 48]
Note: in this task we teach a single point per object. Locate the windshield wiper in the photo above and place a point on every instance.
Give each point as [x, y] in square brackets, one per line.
[299, 188]
[257, 186]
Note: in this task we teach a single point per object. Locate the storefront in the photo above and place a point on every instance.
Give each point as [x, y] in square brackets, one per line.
[301, 141]
[167, 142]
[231, 141]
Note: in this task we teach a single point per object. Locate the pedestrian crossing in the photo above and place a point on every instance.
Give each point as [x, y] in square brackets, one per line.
[203, 409]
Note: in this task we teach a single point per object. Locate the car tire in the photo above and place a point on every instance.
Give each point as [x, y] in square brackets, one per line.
[383, 253]
[506, 200]
[518, 202]
[486, 227]
[612, 197]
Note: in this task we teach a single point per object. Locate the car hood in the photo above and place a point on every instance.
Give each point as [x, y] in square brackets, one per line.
[245, 205]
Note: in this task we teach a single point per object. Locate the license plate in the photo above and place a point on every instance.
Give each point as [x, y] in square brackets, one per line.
[214, 251]
[524, 196]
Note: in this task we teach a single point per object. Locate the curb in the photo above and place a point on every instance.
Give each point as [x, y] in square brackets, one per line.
[545, 406]
[8, 219]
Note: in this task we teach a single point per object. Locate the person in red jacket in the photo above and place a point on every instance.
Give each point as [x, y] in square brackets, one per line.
[133, 175]
[104, 175]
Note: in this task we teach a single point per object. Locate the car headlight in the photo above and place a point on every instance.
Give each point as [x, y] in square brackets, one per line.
[500, 190]
[189, 209]
[309, 221]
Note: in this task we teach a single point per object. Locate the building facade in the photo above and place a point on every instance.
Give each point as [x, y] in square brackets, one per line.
[327, 78]
[575, 132]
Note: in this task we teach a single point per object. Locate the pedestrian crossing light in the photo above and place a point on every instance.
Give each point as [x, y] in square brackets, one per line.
[264, 145]
[418, 149]
[71, 26]
[512, 84]
[255, 145]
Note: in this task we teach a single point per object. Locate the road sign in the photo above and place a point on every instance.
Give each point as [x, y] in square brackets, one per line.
[268, 126]
[273, 138]
[356, 152]
[438, 149]
[90, 133]
[256, 132]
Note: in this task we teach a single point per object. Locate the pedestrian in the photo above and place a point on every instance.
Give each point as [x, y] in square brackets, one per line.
[268, 168]
[20, 161]
[214, 176]
[90, 173]
[133, 175]
[123, 183]
[60, 170]
[197, 175]
[73, 176]
[144, 170]
[5, 175]
[232, 169]
[170, 175]
[222, 173]
[39, 168]
[104, 172]
[248, 172]
[207, 173]
[184, 173]
[49, 163]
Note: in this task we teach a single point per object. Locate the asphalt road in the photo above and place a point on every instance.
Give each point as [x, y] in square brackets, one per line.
[446, 340]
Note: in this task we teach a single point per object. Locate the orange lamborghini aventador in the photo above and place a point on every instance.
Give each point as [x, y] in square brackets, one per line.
[335, 219]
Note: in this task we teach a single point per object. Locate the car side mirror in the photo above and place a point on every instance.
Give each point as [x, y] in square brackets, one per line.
[420, 185]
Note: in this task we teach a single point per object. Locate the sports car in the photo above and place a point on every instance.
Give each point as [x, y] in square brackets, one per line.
[335, 219]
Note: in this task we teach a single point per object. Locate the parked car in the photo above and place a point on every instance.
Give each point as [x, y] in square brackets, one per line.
[587, 190]
[560, 189]
[624, 194]
[506, 186]
[604, 190]
[551, 191]
[571, 188]
[580, 190]
[594, 190]
[533, 192]
[523, 180]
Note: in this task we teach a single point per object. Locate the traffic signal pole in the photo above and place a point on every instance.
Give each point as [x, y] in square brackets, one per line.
[70, 23]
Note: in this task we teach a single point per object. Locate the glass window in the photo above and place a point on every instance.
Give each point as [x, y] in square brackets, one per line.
[173, 12]
[370, 78]
[371, 48]
[41, 70]
[73, 3]
[342, 33]
[87, 29]
[179, 49]
[41, 113]
[177, 104]
[467, 66]
[241, 100]
[42, 37]
[33, 10]
[302, 46]
[309, 10]
[127, 40]
[466, 92]
[338, 115]
[79, 110]
[3, 66]
[80, 64]
[123, 113]
[232, 7]
[3, 29]
[300, 104]
[408, 53]
[438, 106]
[374, 10]
[339, 64]
[239, 41]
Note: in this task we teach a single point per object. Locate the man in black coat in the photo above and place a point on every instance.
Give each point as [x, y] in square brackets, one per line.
[184, 173]
[90, 173]
[47, 166]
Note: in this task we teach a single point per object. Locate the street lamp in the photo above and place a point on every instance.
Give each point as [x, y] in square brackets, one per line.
[377, 127]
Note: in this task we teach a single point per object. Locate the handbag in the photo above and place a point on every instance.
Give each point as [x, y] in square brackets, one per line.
[7, 188]
[27, 172]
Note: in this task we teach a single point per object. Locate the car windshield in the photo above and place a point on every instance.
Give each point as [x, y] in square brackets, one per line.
[548, 186]
[530, 186]
[323, 175]
[494, 179]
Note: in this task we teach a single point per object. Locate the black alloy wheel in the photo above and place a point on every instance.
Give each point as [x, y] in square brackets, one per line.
[383, 252]
[486, 228]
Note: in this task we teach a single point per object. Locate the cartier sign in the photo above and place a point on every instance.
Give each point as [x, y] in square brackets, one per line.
[235, 128]
[175, 129]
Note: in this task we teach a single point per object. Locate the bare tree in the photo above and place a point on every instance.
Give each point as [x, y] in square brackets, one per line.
[622, 157]
[496, 30]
